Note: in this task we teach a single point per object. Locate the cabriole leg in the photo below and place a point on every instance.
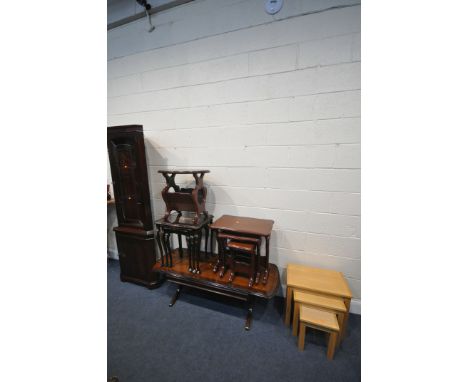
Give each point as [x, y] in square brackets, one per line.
[181, 251]
[190, 254]
[158, 240]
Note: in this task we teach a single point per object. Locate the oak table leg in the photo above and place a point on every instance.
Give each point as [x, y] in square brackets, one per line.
[287, 315]
[347, 302]
[331, 345]
[340, 323]
[295, 319]
[301, 340]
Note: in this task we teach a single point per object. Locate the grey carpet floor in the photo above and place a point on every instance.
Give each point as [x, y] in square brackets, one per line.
[202, 338]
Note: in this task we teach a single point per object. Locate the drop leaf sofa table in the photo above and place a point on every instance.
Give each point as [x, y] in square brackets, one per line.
[179, 271]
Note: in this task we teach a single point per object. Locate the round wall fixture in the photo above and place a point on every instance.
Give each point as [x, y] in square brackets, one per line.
[273, 6]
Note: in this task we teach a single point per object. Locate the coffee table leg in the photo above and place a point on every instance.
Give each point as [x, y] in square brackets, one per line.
[287, 315]
[248, 320]
[176, 296]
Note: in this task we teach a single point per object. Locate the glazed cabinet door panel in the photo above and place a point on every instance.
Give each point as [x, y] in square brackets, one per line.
[129, 175]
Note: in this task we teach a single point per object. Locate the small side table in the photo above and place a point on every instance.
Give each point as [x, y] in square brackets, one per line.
[192, 228]
[245, 227]
[184, 199]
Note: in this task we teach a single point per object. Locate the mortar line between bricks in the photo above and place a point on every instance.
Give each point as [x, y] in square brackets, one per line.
[286, 210]
[246, 101]
[232, 125]
[262, 167]
[272, 188]
[306, 212]
[262, 124]
[282, 167]
[319, 254]
[247, 52]
[262, 145]
[157, 194]
[215, 185]
[314, 67]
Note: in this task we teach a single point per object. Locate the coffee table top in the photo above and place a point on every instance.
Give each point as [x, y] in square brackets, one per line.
[240, 224]
[317, 280]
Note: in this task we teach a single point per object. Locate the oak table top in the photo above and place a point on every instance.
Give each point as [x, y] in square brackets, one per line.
[327, 302]
[318, 280]
[319, 317]
[252, 226]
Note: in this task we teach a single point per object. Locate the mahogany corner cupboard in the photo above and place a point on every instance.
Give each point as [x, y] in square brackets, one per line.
[135, 232]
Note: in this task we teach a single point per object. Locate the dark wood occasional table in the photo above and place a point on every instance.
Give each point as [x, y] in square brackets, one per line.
[207, 280]
[184, 199]
[246, 227]
[188, 225]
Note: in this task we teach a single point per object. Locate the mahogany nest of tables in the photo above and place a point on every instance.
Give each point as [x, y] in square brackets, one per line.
[187, 225]
[245, 227]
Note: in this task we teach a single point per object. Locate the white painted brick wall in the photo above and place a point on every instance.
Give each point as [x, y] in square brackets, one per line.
[270, 104]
